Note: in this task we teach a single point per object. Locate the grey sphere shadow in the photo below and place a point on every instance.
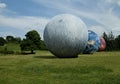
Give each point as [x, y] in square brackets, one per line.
[45, 57]
[53, 57]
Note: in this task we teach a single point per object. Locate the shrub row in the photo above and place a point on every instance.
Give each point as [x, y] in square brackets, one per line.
[9, 52]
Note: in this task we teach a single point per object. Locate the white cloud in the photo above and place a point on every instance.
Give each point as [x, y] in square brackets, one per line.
[2, 5]
[107, 19]
[4, 34]
[99, 30]
[4, 10]
[55, 4]
[113, 1]
[24, 23]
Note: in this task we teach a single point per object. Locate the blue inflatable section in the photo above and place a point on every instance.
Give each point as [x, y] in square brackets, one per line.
[93, 43]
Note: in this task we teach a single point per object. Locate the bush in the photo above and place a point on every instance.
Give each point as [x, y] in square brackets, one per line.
[6, 51]
[27, 52]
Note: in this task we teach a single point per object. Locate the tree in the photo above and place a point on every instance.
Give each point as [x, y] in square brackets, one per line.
[17, 40]
[117, 42]
[43, 46]
[9, 38]
[105, 36]
[2, 41]
[34, 37]
[32, 41]
[111, 36]
[27, 45]
[106, 40]
[112, 43]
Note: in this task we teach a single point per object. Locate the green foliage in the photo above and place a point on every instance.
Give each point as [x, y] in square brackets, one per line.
[32, 41]
[117, 42]
[112, 43]
[27, 45]
[10, 48]
[2, 41]
[44, 68]
[12, 39]
[17, 40]
[43, 46]
[9, 38]
[5, 51]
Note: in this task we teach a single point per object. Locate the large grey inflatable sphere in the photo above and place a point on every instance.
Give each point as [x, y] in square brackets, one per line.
[66, 35]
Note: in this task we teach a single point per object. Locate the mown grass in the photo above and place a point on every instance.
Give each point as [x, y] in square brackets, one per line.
[11, 47]
[44, 68]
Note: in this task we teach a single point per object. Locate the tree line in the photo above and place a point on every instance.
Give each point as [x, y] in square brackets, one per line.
[112, 42]
[32, 41]
[9, 39]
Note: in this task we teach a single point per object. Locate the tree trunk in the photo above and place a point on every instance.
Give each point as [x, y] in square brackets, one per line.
[32, 52]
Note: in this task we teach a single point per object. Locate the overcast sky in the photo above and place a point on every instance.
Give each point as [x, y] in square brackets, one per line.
[19, 16]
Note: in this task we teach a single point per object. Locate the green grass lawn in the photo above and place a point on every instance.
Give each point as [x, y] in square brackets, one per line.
[44, 68]
[11, 47]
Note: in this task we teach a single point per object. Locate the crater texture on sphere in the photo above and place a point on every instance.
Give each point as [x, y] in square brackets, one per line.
[66, 35]
[102, 44]
[93, 43]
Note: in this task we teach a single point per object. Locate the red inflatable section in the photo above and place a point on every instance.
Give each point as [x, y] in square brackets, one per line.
[102, 44]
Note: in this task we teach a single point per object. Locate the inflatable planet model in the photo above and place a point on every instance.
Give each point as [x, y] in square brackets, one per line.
[66, 35]
[93, 43]
[102, 44]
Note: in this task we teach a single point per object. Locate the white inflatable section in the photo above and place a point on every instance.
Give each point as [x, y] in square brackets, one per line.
[66, 35]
